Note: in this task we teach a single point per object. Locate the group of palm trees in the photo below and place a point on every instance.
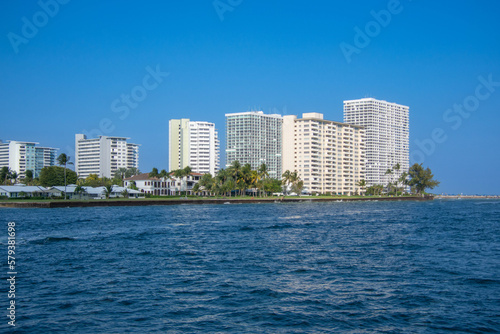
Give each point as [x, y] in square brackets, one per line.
[237, 178]
[395, 184]
[417, 178]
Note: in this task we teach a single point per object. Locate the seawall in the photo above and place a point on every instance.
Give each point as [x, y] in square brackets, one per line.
[147, 202]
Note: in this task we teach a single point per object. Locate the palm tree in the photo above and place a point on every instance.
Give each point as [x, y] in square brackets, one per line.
[403, 179]
[121, 172]
[132, 171]
[244, 179]
[263, 173]
[13, 176]
[108, 190]
[80, 190]
[286, 177]
[179, 174]
[362, 184]
[154, 172]
[235, 170]
[187, 172]
[64, 159]
[163, 174]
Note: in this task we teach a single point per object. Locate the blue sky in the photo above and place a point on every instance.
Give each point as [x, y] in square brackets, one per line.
[284, 57]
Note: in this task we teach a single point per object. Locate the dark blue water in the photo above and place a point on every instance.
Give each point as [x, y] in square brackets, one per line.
[375, 267]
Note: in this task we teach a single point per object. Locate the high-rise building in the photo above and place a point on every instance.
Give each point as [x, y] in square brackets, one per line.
[328, 156]
[104, 155]
[193, 144]
[21, 156]
[255, 138]
[387, 136]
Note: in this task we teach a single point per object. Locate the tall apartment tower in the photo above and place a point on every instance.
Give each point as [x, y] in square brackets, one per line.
[328, 156]
[255, 138]
[104, 155]
[193, 144]
[21, 156]
[387, 136]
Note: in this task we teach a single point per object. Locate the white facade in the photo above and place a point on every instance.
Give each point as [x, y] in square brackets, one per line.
[387, 136]
[104, 155]
[21, 156]
[194, 144]
[328, 156]
[255, 138]
[166, 186]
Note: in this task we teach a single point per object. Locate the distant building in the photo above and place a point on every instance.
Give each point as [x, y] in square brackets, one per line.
[193, 144]
[387, 136]
[104, 155]
[163, 186]
[328, 156]
[254, 138]
[21, 156]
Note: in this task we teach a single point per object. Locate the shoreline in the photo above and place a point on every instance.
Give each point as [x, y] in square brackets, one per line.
[156, 202]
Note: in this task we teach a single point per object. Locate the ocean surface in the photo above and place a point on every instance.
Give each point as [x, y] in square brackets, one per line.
[372, 267]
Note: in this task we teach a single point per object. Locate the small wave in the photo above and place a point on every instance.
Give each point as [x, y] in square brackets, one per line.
[49, 240]
[265, 292]
[279, 226]
[482, 281]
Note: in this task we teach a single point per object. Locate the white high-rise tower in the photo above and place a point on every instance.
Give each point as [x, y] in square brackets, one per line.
[387, 136]
[254, 138]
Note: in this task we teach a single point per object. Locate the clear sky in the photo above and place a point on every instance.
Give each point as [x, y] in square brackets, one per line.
[86, 66]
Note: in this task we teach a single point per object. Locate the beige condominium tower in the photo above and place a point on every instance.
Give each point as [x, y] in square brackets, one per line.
[387, 136]
[193, 144]
[328, 156]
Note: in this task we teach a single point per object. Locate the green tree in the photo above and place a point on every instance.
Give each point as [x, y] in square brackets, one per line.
[421, 179]
[272, 185]
[154, 172]
[79, 190]
[182, 175]
[119, 176]
[286, 180]
[132, 171]
[206, 181]
[235, 171]
[403, 180]
[4, 174]
[108, 190]
[362, 184]
[54, 176]
[28, 177]
[13, 176]
[64, 159]
[164, 174]
[297, 186]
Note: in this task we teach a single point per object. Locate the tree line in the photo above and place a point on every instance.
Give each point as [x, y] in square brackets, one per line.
[417, 178]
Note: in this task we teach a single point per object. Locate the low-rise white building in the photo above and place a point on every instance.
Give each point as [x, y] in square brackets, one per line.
[166, 186]
[22, 191]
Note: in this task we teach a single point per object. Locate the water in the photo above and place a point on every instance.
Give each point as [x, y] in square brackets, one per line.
[374, 267]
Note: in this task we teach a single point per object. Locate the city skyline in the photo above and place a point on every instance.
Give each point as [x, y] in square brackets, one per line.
[128, 74]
